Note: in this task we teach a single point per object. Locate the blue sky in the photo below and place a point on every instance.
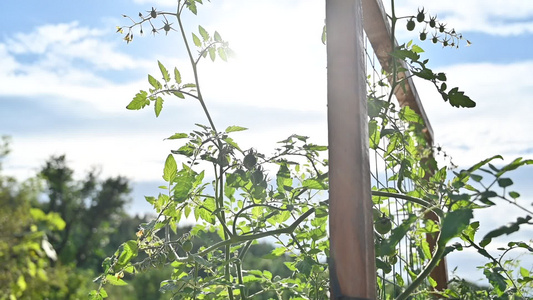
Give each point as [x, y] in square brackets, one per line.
[66, 77]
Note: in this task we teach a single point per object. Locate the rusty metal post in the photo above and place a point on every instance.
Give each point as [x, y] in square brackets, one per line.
[352, 264]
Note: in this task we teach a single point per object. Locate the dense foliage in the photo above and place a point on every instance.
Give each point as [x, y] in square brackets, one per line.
[244, 196]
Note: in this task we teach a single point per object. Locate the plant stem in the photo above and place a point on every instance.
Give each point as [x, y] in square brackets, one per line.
[195, 72]
[424, 274]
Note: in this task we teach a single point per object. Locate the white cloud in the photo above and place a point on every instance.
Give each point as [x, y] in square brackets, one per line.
[59, 45]
[496, 17]
[65, 61]
[500, 122]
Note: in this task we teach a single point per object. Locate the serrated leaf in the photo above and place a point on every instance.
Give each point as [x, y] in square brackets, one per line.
[191, 5]
[196, 40]
[374, 134]
[154, 82]
[176, 136]
[514, 195]
[114, 280]
[524, 272]
[235, 129]
[184, 183]
[506, 229]
[514, 165]
[164, 72]
[425, 74]
[212, 53]
[459, 99]
[417, 49]
[476, 178]
[404, 53]
[409, 115]
[314, 184]
[158, 106]
[203, 33]
[218, 38]
[170, 168]
[128, 251]
[505, 182]
[453, 224]
[222, 54]
[139, 101]
[177, 75]
[179, 95]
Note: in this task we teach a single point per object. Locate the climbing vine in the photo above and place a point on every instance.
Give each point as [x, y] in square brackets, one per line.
[244, 195]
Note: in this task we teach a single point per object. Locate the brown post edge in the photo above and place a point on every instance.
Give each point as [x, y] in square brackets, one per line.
[352, 259]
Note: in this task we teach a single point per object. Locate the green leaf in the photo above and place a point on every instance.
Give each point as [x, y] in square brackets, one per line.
[476, 178]
[196, 40]
[189, 85]
[514, 195]
[129, 251]
[524, 272]
[164, 72]
[403, 54]
[98, 295]
[417, 49]
[374, 134]
[235, 129]
[482, 163]
[314, 184]
[232, 143]
[212, 53]
[496, 280]
[170, 168]
[217, 37]
[158, 106]
[114, 280]
[425, 74]
[179, 95]
[207, 209]
[184, 183]
[203, 33]
[177, 136]
[267, 274]
[154, 82]
[432, 282]
[459, 99]
[191, 5]
[453, 224]
[505, 182]
[177, 75]
[409, 115]
[514, 165]
[222, 54]
[506, 229]
[139, 101]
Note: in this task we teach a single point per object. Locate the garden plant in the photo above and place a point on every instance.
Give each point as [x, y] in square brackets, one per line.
[244, 196]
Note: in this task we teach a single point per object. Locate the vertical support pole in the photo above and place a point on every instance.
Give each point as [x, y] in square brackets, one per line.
[352, 264]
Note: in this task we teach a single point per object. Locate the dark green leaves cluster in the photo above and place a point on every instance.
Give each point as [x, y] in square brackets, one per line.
[410, 54]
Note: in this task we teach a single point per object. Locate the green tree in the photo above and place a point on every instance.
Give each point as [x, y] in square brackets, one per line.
[91, 208]
[28, 268]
